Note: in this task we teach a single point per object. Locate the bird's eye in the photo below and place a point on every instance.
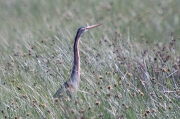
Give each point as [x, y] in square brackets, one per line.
[82, 29]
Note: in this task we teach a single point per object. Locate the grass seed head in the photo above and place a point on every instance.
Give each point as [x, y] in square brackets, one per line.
[101, 115]
[97, 102]
[118, 96]
[72, 111]
[141, 93]
[134, 94]
[81, 111]
[107, 73]
[127, 107]
[115, 85]
[145, 114]
[48, 111]
[25, 96]
[43, 105]
[56, 99]
[129, 74]
[160, 97]
[18, 87]
[16, 117]
[123, 104]
[147, 111]
[153, 110]
[109, 87]
[89, 107]
[153, 79]
[100, 77]
[128, 84]
[2, 111]
[121, 78]
[28, 114]
[98, 83]
[169, 107]
[13, 80]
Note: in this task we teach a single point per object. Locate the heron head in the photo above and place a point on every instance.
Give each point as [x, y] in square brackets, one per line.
[81, 30]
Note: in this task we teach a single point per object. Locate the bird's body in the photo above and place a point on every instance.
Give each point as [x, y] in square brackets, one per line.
[71, 85]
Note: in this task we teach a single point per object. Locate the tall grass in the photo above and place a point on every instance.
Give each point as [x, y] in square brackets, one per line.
[129, 66]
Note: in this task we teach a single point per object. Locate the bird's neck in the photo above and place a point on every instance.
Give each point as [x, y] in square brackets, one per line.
[76, 65]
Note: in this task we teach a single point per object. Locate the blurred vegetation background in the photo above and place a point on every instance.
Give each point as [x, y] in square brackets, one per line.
[36, 56]
[153, 19]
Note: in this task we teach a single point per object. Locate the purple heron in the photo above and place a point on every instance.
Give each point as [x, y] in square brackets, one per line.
[71, 85]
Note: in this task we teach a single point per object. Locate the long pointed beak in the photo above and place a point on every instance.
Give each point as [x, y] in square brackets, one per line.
[93, 26]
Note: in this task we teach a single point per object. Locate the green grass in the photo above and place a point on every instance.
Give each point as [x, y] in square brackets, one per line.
[129, 66]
